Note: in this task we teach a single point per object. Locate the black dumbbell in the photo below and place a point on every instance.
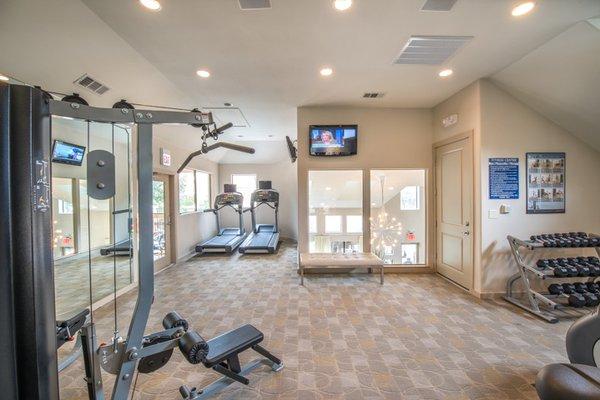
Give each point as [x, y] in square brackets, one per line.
[556, 289]
[591, 298]
[543, 263]
[582, 269]
[593, 260]
[569, 288]
[593, 287]
[580, 287]
[575, 299]
[571, 271]
[594, 268]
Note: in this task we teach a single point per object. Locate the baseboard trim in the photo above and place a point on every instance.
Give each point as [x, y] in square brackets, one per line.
[489, 295]
[386, 270]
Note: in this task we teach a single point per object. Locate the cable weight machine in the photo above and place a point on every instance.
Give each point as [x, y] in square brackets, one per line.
[27, 301]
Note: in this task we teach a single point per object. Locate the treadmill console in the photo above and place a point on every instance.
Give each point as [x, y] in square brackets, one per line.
[231, 198]
[269, 196]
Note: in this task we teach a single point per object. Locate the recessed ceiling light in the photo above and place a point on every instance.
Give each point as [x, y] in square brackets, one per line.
[240, 136]
[373, 203]
[326, 71]
[153, 5]
[342, 5]
[270, 135]
[327, 188]
[391, 188]
[3, 78]
[445, 73]
[226, 104]
[202, 73]
[523, 8]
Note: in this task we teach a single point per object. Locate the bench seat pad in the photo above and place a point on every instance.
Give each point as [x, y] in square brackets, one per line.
[329, 259]
[230, 343]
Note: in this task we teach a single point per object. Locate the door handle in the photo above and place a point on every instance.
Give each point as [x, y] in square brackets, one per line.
[466, 233]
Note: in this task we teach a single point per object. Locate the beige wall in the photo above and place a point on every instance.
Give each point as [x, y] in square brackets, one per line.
[387, 139]
[465, 103]
[504, 127]
[191, 228]
[284, 179]
[510, 129]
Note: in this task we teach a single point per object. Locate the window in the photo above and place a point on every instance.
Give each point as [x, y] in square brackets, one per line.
[187, 192]
[245, 184]
[409, 198]
[410, 253]
[65, 207]
[312, 224]
[202, 191]
[398, 219]
[194, 191]
[333, 224]
[335, 208]
[354, 224]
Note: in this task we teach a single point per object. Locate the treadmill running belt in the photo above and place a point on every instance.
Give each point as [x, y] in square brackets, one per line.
[220, 240]
[261, 239]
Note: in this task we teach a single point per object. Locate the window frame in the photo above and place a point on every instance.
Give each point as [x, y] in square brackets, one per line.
[194, 172]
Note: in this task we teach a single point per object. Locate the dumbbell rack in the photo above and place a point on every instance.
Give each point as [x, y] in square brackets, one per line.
[533, 299]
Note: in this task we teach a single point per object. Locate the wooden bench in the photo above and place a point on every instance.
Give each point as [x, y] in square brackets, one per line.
[329, 260]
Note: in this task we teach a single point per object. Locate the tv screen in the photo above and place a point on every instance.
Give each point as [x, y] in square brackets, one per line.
[67, 153]
[333, 140]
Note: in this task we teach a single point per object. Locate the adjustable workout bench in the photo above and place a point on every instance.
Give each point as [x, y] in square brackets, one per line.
[223, 357]
[220, 354]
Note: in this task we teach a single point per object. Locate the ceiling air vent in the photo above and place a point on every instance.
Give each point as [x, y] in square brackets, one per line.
[373, 95]
[430, 50]
[254, 4]
[438, 5]
[91, 84]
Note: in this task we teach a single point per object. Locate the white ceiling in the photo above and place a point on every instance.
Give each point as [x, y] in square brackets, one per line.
[266, 62]
[561, 80]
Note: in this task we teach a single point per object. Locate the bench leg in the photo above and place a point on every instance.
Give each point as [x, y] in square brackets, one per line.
[230, 374]
[302, 276]
[265, 353]
[381, 272]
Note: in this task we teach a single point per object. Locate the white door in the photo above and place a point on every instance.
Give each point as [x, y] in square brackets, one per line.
[454, 211]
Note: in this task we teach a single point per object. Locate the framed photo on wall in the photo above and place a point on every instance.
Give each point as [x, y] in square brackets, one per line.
[546, 186]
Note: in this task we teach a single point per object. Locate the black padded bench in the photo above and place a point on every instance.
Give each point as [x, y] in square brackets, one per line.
[223, 357]
[231, 343]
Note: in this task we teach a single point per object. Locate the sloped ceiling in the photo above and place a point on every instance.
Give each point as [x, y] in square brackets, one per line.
[561, 80]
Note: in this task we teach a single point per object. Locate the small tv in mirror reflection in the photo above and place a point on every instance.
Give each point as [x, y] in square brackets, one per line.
[67, 153]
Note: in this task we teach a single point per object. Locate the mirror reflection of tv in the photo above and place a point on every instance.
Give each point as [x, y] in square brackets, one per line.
[67, 153]
[333, 140]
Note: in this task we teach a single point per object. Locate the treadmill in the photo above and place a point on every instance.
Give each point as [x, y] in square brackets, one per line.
[264, 238]
[228, 239]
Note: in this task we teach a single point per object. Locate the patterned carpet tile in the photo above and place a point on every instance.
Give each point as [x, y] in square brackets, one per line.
[340, 336]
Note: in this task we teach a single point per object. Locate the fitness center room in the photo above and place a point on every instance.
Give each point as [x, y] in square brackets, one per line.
[311, 200]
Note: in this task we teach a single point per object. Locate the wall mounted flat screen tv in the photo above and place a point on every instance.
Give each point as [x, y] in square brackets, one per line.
[333, 140]
[67, 153]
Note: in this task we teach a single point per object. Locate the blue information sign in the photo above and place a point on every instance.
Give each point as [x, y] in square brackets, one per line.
[504, 178]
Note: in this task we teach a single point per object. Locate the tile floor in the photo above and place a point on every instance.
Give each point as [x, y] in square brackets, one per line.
[342, 337]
